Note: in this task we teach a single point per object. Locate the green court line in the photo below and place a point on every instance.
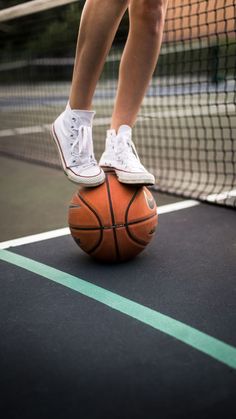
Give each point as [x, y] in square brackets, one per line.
[201, 341]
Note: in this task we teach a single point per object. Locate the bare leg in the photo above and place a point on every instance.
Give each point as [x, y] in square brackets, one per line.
[99, 22]
[139, 58]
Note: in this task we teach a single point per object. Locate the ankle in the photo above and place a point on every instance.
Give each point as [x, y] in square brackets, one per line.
[76, 104]
[121, 128]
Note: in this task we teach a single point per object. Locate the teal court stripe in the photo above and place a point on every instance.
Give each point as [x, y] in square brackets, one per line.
[201, 341]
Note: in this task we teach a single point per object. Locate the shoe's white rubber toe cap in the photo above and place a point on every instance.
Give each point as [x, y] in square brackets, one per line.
[140, 178]
[87, 177]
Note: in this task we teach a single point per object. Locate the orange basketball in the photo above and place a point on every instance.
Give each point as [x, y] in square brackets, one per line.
[114, 221]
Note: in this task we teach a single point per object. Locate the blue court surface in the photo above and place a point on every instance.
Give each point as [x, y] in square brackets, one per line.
[154, 337]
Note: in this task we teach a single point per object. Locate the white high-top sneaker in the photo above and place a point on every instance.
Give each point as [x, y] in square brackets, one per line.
[72, 133]
[120, 155]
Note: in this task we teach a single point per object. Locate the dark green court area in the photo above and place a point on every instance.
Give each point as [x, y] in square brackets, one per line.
[66, 355]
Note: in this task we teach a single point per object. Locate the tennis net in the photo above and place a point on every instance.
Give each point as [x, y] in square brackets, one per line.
[186, 128]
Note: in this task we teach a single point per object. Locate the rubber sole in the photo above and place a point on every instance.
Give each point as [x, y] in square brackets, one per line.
[139, 180]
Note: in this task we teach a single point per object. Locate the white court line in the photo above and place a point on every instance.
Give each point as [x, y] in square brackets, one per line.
[170, 113]
[163, 209]
[35, 238]
[43, 128]
[24, 130]
[203, 110]
[221, 196]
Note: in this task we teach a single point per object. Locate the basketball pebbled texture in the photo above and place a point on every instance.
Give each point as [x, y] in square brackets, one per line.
[114, 221]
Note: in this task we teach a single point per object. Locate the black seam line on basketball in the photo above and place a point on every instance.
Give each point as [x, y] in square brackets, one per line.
[113, 226]
[112, 218]
[108, 169]
[134, 238]
[100, 223]
[142, 242]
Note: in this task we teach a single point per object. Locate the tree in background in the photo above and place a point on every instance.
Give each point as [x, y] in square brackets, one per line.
[51, 33]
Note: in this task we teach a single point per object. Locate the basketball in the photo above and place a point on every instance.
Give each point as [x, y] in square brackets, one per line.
[114, 221]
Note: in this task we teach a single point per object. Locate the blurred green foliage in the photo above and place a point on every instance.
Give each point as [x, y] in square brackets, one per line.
[51, 33]
[8, 3]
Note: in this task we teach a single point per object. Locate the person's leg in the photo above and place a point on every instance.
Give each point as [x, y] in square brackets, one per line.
[99, 22]
[139, 58]
[72, 130]
[137, 65]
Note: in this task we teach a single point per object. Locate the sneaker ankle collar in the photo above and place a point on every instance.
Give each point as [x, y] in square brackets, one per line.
[124, 128]
[84, 114]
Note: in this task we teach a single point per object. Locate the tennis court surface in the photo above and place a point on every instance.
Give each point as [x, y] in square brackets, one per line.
[153, 337]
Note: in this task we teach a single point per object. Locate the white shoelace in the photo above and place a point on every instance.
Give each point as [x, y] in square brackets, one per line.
[82, 146]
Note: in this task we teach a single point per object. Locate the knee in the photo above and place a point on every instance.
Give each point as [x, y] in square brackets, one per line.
[151, 13]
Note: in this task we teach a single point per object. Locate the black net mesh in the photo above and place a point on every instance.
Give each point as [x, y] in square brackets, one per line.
[186, 128]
